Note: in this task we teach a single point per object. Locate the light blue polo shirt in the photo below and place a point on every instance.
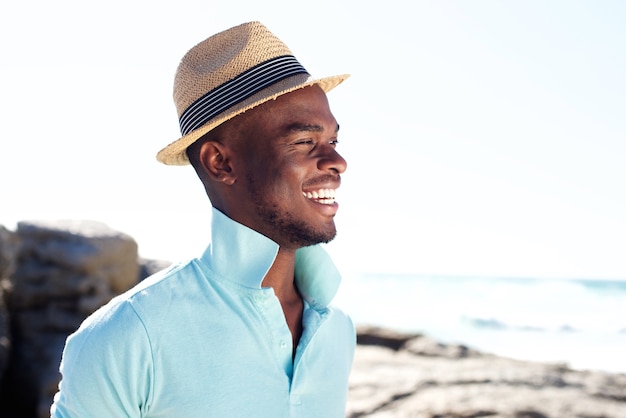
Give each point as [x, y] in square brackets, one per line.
[204, 339]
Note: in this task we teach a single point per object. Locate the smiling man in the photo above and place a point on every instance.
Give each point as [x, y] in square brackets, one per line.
[246, 329]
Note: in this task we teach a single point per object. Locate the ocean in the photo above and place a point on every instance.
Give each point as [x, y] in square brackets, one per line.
[578, 322]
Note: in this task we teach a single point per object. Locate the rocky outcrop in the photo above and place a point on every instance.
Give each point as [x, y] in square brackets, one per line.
[8, 257]
[64, 271]
[410, 375]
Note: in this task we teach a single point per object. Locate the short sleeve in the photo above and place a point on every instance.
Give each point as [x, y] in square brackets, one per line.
[107, 366]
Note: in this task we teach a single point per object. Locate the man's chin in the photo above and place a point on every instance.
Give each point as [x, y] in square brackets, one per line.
[314, 238]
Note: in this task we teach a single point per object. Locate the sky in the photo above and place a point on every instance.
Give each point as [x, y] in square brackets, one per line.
[483, 138]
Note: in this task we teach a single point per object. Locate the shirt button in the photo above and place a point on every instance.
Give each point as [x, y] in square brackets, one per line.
[283, 344]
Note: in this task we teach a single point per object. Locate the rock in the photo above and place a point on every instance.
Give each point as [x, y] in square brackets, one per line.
[422, 379]
[65, 271]
[148, 267]
[383, 337]
[425, 346]
[87, 247]
[8, 257]
[8, 252]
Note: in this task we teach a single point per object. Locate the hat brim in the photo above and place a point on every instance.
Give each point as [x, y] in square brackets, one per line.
[175, 153]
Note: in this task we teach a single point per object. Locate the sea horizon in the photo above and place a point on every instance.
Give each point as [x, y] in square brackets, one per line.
[579, 322]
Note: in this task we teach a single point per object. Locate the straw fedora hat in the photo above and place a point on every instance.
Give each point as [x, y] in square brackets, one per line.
[229, 73]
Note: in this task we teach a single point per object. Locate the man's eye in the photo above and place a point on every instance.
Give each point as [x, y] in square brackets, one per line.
[304, 142]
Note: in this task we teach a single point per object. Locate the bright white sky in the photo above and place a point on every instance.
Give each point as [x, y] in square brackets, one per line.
[483, 137]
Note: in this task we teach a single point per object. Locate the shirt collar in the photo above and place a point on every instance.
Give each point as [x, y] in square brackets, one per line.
[244, 256]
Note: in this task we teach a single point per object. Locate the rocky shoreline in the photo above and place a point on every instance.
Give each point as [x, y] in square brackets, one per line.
[410, 375]
[52, 275]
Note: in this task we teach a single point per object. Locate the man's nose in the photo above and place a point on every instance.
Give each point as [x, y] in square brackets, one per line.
[332, 160]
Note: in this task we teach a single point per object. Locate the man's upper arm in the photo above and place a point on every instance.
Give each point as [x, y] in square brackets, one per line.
[106, 367]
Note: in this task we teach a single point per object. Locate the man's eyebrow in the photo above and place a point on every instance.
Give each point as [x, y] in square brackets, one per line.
[303, 127]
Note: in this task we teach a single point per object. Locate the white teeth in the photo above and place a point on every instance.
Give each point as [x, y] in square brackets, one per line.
[324, 196]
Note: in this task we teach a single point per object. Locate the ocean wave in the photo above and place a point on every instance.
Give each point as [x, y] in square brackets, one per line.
[495, 324]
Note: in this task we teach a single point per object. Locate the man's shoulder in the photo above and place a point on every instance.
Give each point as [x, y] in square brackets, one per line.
[163, 277]
[146, 293]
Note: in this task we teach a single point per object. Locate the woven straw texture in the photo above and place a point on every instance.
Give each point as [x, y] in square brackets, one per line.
[221, 58]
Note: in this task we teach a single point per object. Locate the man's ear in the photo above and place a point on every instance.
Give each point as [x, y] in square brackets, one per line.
[216, 163]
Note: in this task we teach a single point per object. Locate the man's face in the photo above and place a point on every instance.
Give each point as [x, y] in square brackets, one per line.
[288, 169]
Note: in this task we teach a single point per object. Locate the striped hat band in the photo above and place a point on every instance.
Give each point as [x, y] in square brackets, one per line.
[239, 88]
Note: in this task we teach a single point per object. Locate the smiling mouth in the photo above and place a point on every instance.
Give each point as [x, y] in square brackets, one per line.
[323, 196]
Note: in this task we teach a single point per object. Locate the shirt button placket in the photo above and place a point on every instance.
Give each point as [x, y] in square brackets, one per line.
[281, 336]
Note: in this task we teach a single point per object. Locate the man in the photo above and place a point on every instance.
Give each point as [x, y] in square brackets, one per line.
[245, 330]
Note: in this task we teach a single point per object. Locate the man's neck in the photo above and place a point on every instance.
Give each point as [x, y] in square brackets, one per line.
[280, 277]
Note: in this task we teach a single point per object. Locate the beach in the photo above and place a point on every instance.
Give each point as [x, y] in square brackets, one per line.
[410, 375]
